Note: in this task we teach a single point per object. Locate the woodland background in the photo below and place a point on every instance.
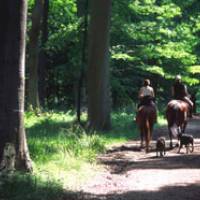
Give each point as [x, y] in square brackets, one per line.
[85, 62]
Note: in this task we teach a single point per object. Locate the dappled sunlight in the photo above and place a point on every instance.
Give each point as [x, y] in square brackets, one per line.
[130, 173]
[84, 92]
[71, 177]
[142, 180]
[134, 171]
[65, 152]
[173, 192]
[31, 119]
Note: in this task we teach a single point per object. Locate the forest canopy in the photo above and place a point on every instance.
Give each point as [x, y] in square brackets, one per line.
[154, 39]
[70, 75]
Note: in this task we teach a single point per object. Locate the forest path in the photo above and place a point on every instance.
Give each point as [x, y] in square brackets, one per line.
[131, 174]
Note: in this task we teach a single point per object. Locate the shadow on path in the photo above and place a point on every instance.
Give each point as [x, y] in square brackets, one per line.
[180, 192]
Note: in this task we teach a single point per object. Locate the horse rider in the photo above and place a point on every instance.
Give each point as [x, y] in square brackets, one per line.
[180, 92]
[146, 94]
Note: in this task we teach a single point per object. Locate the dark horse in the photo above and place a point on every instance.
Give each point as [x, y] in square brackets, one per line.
[176, 114]
[146, 117]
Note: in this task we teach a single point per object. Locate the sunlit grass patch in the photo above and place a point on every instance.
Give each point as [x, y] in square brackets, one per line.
[161, 120]
[62, 149]
[65, 152]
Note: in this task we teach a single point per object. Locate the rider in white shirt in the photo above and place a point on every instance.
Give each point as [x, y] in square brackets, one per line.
[146, 94]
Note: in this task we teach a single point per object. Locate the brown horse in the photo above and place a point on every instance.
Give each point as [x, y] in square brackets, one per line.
[146, 117]
[176, 114]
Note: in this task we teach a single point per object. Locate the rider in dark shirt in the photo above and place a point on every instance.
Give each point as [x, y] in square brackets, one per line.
[179, 92]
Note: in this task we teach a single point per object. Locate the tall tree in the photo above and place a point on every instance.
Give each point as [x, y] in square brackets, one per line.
[43, 60]
[33, 93]
[12, 57]
[98, 66]
[82, 11]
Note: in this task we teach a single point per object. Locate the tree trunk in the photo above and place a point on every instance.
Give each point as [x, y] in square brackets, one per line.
[12, 56]
[33, 93]
[98, 66]
[82, 11]
[43, 62]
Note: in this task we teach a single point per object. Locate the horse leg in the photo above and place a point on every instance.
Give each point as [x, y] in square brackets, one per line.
[151, 131]
[184, 126]
[147, 133]
[147, 143]
[192, 144]
[147, 139]
[142, 138]
[149, 136]
[170, 137]
[179, 148]
[179, 130]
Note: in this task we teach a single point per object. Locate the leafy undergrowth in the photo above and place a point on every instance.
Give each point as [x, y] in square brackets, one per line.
[64, 154]
[20, 186]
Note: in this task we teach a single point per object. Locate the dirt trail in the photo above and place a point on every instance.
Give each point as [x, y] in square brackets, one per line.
[134, 175]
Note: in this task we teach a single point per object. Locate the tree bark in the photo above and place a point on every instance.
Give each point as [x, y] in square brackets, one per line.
[33, 93]
[98, 66]
[12, 57]
[43, 60]
[82, 11]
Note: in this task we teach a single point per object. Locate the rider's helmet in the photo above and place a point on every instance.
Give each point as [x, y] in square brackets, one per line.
[178, 77]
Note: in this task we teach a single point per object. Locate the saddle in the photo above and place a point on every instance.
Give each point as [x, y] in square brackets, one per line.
[147, 101]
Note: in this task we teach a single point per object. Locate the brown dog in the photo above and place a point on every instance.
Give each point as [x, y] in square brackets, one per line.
[160, 146]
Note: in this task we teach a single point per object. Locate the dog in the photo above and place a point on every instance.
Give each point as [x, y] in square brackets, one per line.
[160, 146]
[187, 140]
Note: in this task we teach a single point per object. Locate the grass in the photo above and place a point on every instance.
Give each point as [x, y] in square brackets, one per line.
[64, 150]
[64, 155]
[28, 187]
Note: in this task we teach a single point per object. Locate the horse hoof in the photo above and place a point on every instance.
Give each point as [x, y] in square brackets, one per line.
[177, 145]
[141, 148]
[147, 150]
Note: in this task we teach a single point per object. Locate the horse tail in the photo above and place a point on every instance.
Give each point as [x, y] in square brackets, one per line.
[174, 127]
[172, 120]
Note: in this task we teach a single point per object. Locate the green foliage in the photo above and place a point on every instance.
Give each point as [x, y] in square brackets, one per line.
[149, 39]
[194, 69]
[62, 149]
[28, 187]
[154, 39]
[53, 134]
[64, 155]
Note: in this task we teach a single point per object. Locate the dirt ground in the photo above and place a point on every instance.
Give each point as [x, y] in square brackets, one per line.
[131, 174]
